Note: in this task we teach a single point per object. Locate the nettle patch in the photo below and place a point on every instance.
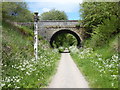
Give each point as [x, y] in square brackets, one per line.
[101, 72]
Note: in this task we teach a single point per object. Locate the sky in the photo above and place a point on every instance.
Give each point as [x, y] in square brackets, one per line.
[70, 7]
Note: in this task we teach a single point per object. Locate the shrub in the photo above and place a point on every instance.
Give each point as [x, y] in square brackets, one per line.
[73, 49]
[103, 32]
[61, 49]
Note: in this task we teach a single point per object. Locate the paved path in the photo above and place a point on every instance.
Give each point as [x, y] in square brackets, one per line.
[68, 75]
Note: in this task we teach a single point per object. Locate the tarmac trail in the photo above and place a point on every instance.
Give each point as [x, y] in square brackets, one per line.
[68, 75]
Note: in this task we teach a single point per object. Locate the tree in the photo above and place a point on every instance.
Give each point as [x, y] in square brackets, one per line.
[93, 13]
[16, 11]
[53, 15]
[101, 20]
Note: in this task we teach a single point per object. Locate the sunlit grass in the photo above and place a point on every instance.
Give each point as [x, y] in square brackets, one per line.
[100, 66]
[19, 68]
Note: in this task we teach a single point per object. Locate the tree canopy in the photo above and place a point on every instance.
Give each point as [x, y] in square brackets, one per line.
[101, 20]
[16, 11]
[93, 13]
[53, 15]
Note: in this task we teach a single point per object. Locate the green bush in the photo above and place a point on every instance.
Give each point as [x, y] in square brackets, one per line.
[61, 49]
[16, 11]
[103, 32]
[115, 44]
[53, 15]
[26, 31]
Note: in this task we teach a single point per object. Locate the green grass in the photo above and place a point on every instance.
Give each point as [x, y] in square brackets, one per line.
[100, 66]
[20, 69]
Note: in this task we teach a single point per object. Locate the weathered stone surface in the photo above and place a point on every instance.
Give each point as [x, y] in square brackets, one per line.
[48, 28]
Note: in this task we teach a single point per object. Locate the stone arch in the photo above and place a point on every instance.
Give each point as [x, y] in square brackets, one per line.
[66, 31]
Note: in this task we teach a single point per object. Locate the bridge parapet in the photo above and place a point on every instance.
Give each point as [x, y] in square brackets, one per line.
[58, 23]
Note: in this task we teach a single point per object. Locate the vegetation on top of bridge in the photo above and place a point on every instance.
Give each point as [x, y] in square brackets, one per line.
[54, 15]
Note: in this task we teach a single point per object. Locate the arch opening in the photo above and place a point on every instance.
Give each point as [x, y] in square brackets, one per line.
[78, 44]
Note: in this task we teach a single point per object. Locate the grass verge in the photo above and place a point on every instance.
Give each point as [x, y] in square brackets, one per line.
[19, 68]
[99, 66]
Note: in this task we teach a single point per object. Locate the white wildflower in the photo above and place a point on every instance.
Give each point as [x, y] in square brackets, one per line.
[27, 73]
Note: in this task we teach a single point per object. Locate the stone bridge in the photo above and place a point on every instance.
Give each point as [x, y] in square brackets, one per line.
[49, 29]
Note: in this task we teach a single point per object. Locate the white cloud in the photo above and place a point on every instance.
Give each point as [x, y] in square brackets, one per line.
[45, 9]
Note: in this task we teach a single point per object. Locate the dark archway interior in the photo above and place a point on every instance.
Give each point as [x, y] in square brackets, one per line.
[65, 31]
